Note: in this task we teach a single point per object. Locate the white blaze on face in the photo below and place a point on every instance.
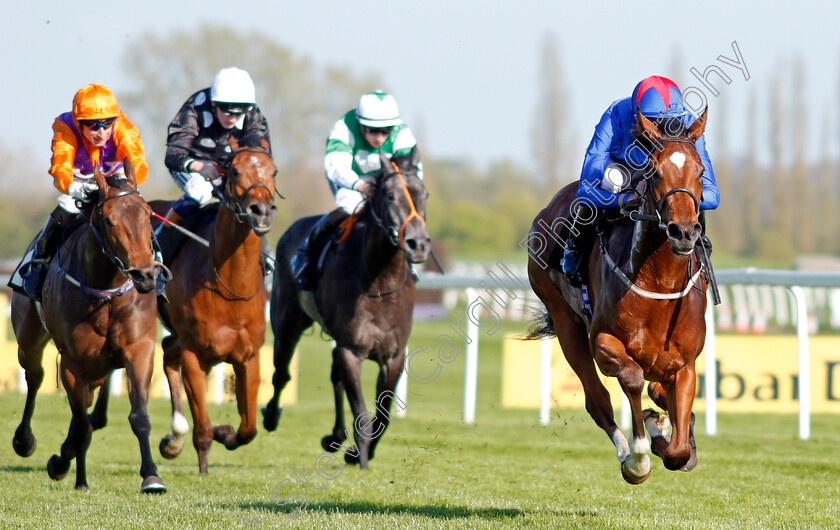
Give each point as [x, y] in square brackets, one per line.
[678, 159]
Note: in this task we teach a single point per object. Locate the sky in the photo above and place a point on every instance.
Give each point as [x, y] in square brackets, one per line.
[465, 73]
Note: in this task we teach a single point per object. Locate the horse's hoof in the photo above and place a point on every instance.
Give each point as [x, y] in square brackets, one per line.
[223, 434]
[170, 447]
[271, 417]
[692, 461]
[83, 488]
[331, 443]
[352, 456]
[24, 445]
[153, 484]
[55, 470]
[631, 479]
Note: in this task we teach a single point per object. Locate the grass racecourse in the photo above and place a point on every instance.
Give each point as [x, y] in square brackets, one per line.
[430, 471]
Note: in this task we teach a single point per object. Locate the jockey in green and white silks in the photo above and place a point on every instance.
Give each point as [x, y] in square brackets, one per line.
[350, 157]
[352, 162]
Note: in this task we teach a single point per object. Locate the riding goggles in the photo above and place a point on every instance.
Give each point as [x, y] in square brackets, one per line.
[377, 131]
[233, 109]
[95, 125]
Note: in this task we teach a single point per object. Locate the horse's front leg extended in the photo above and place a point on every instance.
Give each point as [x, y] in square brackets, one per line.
[612, 358]
[247, 384]
[680, 397]
[138, 369]
[362, 425]
[195, 383]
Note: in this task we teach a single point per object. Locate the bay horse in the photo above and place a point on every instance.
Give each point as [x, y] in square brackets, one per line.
[364, 301]
[217, 300]
[99, 308]
[648, 307]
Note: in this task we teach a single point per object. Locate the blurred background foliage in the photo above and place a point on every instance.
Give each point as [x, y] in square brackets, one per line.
[477, 210]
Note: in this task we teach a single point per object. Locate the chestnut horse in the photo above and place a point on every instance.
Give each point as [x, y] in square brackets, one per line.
[647, 305]
[99, 308]
[364, 300]
[216, 307]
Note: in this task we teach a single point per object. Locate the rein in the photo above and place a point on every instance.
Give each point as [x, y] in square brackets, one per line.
[397, 237]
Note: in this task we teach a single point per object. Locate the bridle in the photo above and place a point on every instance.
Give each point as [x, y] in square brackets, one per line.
[650, 196]
[398, 236]
[240, 213]
[107, 247]
[656, 216]
[236, 204]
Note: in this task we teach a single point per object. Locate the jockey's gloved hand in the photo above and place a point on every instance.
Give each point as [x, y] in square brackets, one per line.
[198, 189]
[81, 190]
[209, 172]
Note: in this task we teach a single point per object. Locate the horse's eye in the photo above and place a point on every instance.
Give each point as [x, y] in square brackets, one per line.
[427, 195]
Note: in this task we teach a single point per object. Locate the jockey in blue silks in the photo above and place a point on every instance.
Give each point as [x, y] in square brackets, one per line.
[616, 154]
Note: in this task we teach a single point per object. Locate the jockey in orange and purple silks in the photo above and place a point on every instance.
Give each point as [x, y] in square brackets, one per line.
[94, 134]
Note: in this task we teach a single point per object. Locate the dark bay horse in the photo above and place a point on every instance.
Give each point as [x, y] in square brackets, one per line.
[217, 302]
[364, 300]
[647, 305]
[99, 308]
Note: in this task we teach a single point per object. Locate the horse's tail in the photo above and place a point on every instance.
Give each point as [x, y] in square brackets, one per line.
[543, 326]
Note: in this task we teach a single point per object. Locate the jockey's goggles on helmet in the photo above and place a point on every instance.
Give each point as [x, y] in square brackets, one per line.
[377, 130]
[232, 109]
[95, 125]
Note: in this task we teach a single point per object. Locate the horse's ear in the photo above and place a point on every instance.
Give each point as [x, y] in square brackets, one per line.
[384, 163]
[415, 156]
[699, 126]
[129, 172]
[100, 181]
[648, 128]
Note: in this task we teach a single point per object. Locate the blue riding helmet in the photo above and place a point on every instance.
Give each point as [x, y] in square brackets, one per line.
[658, 97]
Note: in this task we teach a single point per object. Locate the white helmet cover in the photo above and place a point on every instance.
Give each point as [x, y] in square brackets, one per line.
[378, 109]
[232, 85]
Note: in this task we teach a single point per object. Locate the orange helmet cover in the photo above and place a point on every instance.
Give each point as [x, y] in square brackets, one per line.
[95, 102]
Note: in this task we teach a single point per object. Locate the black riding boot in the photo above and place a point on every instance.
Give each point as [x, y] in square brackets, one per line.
[302, 258]
[29, 276]
[579, 241]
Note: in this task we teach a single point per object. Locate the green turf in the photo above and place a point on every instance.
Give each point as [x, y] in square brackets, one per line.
[430, 471]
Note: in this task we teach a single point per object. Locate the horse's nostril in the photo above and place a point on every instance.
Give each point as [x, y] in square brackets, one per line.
[412, 244]
[257, 210]
[674, 231]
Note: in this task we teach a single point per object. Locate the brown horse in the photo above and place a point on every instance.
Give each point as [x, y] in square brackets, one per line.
[364, 300]
[99, 308]
[216, 306]
[647, 305]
